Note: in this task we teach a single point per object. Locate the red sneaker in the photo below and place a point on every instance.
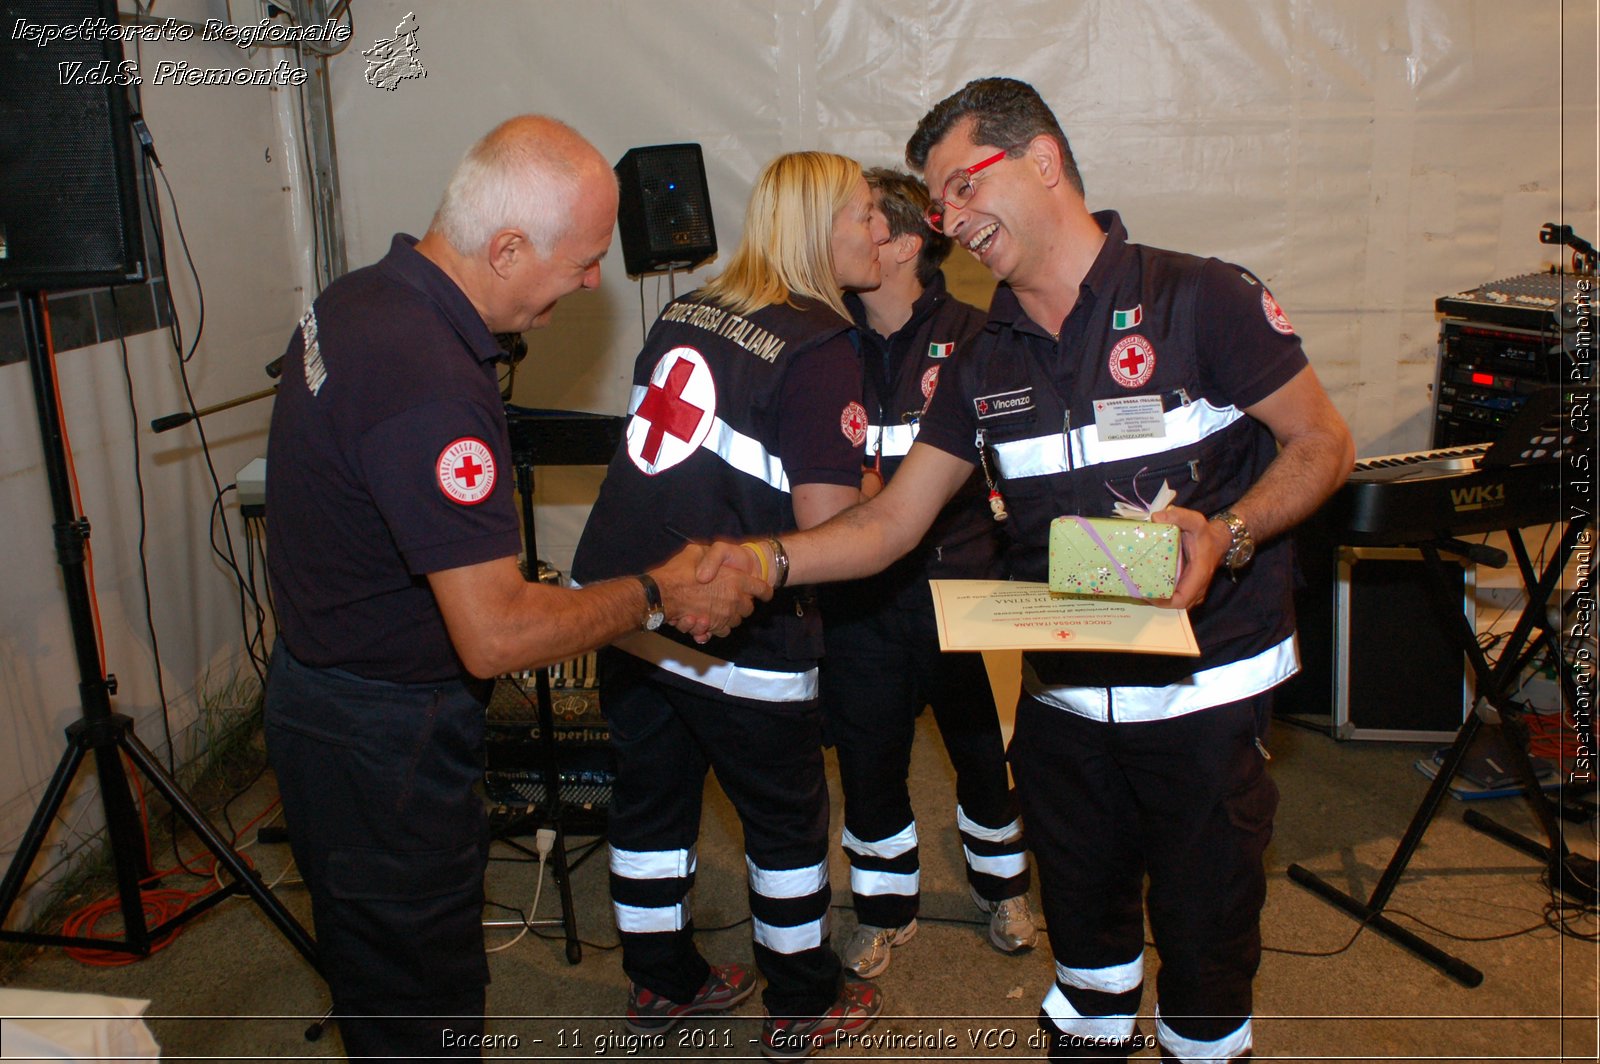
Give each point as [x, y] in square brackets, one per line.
[793, 1038]
[725, 987]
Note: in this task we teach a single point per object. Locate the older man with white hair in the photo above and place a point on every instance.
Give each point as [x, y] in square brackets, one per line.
[393, 561]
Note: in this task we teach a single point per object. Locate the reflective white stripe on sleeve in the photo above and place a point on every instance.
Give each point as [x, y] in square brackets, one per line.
[1066, 1019]
[742, 452]
[1010, 833]
[1004, 866]
[872, 883]
[652, 864]
[745, 454]
[894, 440]
[902, 841]
[1216, 686]
[796, 939]
[1042, 455]
[787, 882]
[1189, 1051]
[646, 920]
[762, 685]
[1113, 979]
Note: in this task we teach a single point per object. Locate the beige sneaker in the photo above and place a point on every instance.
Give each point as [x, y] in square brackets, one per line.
[1011, 927]
[868, 950]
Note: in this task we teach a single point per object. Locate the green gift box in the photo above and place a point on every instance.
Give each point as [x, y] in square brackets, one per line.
[1114, 557]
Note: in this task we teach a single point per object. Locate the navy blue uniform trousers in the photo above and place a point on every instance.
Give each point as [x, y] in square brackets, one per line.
[380, 793]
[768, 760]
[882, 665]
[1186, 801]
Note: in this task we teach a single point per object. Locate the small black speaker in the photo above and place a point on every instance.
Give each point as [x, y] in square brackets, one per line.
[69, 210]
[1398, 672]
[665, 210]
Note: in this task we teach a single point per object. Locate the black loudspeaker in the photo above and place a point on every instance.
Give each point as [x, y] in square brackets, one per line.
[1398, 672]
[69, 211]
[665, 210]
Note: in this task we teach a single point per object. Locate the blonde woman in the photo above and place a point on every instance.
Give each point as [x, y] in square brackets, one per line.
[746, 420]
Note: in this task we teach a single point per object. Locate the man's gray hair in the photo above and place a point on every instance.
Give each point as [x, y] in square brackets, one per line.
[524, 174]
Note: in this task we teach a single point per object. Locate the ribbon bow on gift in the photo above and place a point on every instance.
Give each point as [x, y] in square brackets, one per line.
[1141, 510]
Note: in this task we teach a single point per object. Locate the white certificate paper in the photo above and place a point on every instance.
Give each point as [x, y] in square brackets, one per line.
[1011, 615]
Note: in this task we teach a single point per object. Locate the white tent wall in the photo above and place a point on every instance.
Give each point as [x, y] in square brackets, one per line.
[229, 153]
[1362, 157]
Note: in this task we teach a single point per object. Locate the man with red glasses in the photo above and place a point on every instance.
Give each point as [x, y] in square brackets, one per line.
[1107, 369]
[882, 662]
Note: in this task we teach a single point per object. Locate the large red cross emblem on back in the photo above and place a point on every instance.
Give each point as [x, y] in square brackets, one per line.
[675, 412]
[667, 411]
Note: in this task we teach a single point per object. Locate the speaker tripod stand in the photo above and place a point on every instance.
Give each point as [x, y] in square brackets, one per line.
[1495, 684]
[109, 736]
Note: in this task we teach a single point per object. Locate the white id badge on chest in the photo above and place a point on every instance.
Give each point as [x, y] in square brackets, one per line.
[1136, 417]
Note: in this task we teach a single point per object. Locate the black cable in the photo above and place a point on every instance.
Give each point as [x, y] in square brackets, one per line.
[233, 834]
[225, 554]
[144, 584]
[1559, 914]
[1311, 953]
[261, 545]
[1497, 937]
[152, 167]
[252, 544]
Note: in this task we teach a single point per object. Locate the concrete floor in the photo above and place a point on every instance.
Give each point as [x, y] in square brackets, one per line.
[231, 987]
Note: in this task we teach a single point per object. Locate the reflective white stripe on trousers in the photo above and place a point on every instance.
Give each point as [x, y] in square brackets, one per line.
[1004, 865]
[873, 882]
[902, 841]
[644, 920]
[1010, 833]
[1216, 686]
[1114, 979]
[788, 883]
[653, 864]
[761, 685]
[1067, 1020]
[647, 865]
[1189, 1051]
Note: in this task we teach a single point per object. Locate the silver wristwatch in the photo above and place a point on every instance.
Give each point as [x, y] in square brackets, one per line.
[654, 615]
[1243, 548]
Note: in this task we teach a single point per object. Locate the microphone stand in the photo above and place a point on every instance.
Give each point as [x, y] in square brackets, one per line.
[172, 421]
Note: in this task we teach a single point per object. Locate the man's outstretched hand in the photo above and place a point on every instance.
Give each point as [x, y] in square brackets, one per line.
[707, 589]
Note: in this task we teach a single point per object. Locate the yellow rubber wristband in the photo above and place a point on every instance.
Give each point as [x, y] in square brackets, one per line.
[761, 558]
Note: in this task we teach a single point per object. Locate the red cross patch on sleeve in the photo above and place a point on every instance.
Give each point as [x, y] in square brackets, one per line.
[853, 423]
[1275, 315]
[465, 471]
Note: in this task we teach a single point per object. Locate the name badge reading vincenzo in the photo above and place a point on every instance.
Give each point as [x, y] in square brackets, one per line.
[1018, 401]
[1136, 417]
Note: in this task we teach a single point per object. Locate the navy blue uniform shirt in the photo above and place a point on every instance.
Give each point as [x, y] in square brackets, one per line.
[388, 459]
